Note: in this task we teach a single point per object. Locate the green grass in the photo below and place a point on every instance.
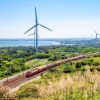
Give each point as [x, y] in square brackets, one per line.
[37, 62]
[75, 89]
[97, 59]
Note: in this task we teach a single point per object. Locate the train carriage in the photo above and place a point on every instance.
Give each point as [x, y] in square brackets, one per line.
[44, 68]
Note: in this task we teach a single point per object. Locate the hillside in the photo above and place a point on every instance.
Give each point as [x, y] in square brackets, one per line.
[74, 80]
[64, 81]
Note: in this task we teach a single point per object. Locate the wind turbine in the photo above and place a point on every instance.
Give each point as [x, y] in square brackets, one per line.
[96, 35]
[36, 29]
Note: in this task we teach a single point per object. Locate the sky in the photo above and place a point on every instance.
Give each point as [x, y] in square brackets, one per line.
[67, 18]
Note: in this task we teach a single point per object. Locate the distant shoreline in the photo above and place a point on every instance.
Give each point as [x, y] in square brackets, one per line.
[49, 42]
[46, 39]
[16, 43]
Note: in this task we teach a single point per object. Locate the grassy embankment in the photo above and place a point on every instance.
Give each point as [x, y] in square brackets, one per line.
[71, 81]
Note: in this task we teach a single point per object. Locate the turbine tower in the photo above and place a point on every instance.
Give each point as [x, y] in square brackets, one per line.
[96, 35]
[36, 29]
[34, 38]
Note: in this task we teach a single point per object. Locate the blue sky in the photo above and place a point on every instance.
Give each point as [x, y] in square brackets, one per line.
[67, 18]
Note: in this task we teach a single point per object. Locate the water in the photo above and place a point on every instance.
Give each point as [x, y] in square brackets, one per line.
[11, 43]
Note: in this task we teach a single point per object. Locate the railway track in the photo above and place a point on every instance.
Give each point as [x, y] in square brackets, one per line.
[12, 83]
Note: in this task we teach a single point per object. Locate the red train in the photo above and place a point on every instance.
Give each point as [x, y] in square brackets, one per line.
[38, 70]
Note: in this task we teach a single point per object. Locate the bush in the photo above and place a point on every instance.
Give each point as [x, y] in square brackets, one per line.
[27, 67]
[90, 61]
[78, 65]
[17, 69]
[98, 68]
[67, 69]
[71, 63]
[83, 63]
[42, 56]
[22, 67]
[63, 56]
[96, 63]
[53, 69]
[52, 58]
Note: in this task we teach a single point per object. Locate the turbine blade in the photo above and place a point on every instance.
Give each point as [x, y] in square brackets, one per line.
[30, 34]
[36, 20]
[30, 29]
[45, 27]
[38, 37]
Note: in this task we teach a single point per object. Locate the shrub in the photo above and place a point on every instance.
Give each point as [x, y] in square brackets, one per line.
[83, 63]
[90, 61]
[53, 69]
[98, 68]
[67, 69]
[96, 63]
[52, 58]
[42, 56]
[22, 67]
[78, 65]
